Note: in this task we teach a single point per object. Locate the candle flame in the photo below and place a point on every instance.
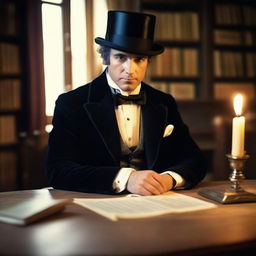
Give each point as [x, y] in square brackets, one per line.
[238, 104]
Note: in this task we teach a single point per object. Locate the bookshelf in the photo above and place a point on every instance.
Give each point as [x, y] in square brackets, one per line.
[176, 71]
[210, 55]
[234, 36]
[210, 48]
[11, 82]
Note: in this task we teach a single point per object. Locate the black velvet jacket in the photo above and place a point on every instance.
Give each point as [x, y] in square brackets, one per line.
[84, 145]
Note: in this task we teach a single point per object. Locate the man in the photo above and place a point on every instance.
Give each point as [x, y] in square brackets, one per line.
[117, 134]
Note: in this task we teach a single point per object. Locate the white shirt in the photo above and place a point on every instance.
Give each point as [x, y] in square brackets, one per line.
[128, 119]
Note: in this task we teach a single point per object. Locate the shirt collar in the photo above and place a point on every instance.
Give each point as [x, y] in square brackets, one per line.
[113, 85]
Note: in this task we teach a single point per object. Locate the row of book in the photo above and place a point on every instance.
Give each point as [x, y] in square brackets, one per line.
[7, 130]
[179, 90]
[8, 14]
[249, 14]
[10, 91]
[230, 37]
[228, 64]
[175, 62]
[176, 26]
[8, 170]
[251, 64]
[9, 59]
[231, 64]
[222, 91]
[233, 14]
[227, 91]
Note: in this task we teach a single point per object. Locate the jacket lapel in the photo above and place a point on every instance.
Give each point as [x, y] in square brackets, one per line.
[100, 109]
[154, 123]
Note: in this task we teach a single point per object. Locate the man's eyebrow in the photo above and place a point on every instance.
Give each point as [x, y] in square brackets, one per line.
[120, 55]
[141, 56]
[124, 55]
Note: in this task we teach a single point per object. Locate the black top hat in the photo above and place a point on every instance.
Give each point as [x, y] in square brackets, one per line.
[131, 32]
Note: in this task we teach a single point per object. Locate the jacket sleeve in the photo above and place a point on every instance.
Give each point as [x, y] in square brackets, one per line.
[65, 170]
[188, 161]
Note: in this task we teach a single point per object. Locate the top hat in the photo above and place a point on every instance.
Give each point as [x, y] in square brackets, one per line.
[131, 32]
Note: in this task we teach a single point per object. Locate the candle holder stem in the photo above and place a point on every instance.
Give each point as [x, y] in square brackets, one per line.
[235, 193]
[236, 177]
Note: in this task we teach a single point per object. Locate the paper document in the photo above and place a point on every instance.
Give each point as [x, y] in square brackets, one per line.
[143, 206]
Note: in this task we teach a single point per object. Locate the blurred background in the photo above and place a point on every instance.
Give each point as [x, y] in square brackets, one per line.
[47, 48]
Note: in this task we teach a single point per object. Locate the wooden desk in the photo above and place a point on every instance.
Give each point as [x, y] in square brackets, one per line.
[225, 230]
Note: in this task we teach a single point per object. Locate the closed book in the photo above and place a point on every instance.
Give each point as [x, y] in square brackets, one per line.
[31, 210]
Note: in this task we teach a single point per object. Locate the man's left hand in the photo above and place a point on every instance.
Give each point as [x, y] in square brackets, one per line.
[149, 182]
[167, 181]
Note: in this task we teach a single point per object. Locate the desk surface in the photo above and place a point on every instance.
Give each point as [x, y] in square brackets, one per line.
[225, 230]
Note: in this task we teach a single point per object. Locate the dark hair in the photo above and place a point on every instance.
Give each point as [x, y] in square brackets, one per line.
[104, 54]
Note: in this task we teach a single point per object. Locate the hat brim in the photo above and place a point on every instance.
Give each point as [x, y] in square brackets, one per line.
[156, 48]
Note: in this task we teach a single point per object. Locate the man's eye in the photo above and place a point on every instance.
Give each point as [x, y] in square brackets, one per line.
[139, 59]
[120, 57]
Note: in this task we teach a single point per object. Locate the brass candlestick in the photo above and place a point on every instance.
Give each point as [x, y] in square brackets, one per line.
[235, 193]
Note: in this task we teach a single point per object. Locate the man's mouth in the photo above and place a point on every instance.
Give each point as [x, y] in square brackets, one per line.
[128, 79]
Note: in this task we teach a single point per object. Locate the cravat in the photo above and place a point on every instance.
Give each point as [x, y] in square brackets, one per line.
[139, 99]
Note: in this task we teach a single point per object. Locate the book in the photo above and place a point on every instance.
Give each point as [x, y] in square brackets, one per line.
[135, 206]
[250, 38]
[182, 91]
[227, 91]
[227, 37]
[250, 64]
[190, 63]
[10, 94]
[8, 130]
[175, 62]
[8, 14]
[9, 59]
[25, 212]
[161, 86]
[249, 13]
[228, 64]
[227, 14]
[176, 26]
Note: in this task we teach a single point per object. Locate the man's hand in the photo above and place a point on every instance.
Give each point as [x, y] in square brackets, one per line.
[149, 182]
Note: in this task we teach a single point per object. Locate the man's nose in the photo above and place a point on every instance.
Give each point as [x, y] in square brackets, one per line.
[130, 66]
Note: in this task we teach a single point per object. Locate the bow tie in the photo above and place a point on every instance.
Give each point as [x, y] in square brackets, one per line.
[139, 99]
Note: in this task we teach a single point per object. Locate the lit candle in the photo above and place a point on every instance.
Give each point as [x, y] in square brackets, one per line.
[238, 128]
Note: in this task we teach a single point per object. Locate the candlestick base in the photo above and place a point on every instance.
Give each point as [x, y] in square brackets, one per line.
[227, 196]
[234, 194]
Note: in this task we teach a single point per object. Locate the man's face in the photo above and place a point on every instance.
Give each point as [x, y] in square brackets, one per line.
[127, 70]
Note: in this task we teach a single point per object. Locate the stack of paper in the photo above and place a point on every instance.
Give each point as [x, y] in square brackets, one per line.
[143, 206]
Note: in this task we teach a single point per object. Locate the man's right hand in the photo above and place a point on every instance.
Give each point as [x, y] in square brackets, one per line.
[148, 182]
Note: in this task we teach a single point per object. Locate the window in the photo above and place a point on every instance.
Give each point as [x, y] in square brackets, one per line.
[63, 71]
[78, 42]
[53, 52]
[65, 44]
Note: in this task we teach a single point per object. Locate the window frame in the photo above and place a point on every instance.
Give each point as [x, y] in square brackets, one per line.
[67, 61]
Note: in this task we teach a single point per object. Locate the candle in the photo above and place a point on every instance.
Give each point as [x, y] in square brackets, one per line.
[238, 128]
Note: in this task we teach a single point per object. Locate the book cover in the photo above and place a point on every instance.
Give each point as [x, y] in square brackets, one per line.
[28, 211]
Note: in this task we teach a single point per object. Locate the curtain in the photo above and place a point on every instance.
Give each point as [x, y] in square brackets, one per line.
[94, 68]
[35, 86]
